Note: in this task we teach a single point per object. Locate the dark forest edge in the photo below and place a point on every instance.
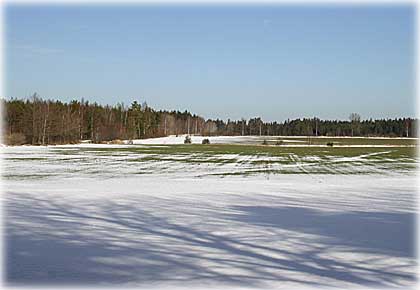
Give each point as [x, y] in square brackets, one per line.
[40, 122]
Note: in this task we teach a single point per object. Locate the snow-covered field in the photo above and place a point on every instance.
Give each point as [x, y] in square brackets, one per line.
[138, 216]
[287, 140]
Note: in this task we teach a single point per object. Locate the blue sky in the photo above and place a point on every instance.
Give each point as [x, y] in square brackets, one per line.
[275, 61]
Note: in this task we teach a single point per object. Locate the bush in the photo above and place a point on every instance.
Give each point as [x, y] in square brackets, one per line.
[330, 144]
[15, 139]
[187, 140]
[205, 141]
[116, 141]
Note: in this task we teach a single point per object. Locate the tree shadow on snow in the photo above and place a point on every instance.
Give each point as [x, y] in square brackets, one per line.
[49, 242]
[373, 232]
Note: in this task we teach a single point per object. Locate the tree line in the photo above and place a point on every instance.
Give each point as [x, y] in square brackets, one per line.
[40, 122]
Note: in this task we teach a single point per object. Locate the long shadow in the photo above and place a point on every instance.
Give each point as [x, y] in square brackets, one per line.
[374, 232]
[72, 245]
[65, 255]
[62, 254]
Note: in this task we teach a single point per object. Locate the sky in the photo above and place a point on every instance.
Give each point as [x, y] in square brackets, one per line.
[239, 61]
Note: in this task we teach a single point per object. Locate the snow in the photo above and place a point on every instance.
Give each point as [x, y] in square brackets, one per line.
[289, 142]
[93, 162]
[173, 226]
[194, 139]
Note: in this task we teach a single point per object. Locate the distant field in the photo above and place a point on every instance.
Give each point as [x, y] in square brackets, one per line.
[248, 149]
[342, 140]
[203, 160]
[284, 140]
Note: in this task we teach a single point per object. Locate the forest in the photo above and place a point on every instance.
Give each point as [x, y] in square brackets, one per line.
[40, 122]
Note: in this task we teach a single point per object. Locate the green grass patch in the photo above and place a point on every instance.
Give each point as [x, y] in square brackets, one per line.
[213, 150]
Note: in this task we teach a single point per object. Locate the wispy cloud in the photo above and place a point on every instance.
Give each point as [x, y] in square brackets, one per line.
[38, 50]
[79, 27]
[267, 22]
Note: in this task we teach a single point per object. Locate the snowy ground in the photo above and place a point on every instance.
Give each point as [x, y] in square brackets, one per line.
[287, 140]
[80, 215]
